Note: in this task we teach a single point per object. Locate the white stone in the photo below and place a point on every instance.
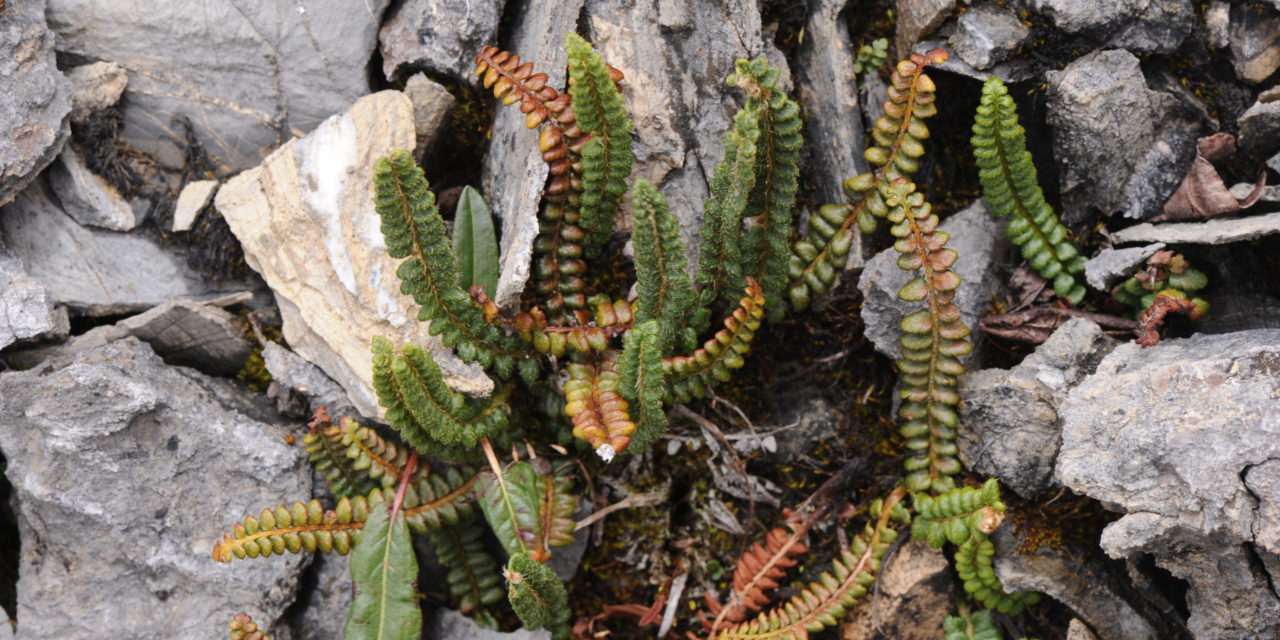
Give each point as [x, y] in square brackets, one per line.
[193, 198]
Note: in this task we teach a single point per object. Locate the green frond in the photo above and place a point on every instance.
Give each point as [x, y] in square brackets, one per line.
[957, 515]
[975, 626]
[537, 595]
[473, 577]
[973, 564]
[370, 453]
[932, 341]
[244, 628]
[665, 293]
[414, 231]
[772, 200]
[720, 268]
[1166, 270]
[328, 456]
[690, 376]
[899, 137]
[438, 500]
[870, 56]
[428, 414]
[1011, 187]
[642, 383]
[823, 603]
[528, 511]
[297, 528]
[606, 158]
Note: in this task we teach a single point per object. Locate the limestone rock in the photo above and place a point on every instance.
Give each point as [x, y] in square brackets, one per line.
[97, 86]
[293, 372]
[1172, 436]
[36, 97]
[1110, 266]
[918, 18]
[1141, 26]
[915, 596]
[440, 36]
[86, 197]
[979, 239]
[194, 197]
[1077, 630]
[1260, 126]
[987, 34]
[26, 310]
[307, 224]
[1254, 34]
[125, 472]
[1216, 231]
[280, 68]
[1009, 420]
[431, 105]
[447, 623]
[91, 271]
[1109, 159]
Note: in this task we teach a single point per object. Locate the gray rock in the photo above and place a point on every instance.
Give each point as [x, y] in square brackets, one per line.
[826, 86]
[1108, 159]
[1260, 127]
[1141, 26]
[431, 105]
[918, 18]
[194, 197]
[979, 239]
[125, 471]
[86, 197]
[439, 36]
[987, 34]
[915, 593]
[1077, 630]
[1110, 266]
[1171, 436]
[447, 623]
[294, 372]
[1217, 18]
[1015, 69]
[26, 310]
[326, 593]
[1081, 583]
[35, 101]
[91, 271]
[248, 75]
[1009, 419]
[96, 86]
[1254, 34]
[1216, 231]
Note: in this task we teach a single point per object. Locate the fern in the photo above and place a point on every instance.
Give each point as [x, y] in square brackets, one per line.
[720, 266]
[690, 376]
[1165, 270]
[244, 628]
[537, 595]
[1011, 189]
[473, 578]
[665, 293]
[606, 158]
[978, 626]
[368, 452]
[413, 230]
[642, 385]
[758, 570]
[328, 456]
[528, 511]
[597, 409]
[899, 135]
[870, 56]
[974, 567]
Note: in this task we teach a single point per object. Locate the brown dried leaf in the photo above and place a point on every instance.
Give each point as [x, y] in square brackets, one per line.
[1034, 326]
[1150, 320]
[1203, 194]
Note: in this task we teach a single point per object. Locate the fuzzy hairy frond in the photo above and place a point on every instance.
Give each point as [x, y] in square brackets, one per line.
[596, 408]
[414, 231]
[821, 604]
[771, 202]
[537, 595]
[244, 628]
[428, 414]
[690, 376]
[642, 384]
[1011, 187]
[323, 443]
[720, 268]
[899, 142]
[530, 512]
[606, 158]
[932, 341]
[665, 292]
[473, 578]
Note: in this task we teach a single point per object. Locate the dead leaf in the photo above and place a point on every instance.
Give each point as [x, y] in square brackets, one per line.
[1202, 194]
[1150, 320]
[1034, 326]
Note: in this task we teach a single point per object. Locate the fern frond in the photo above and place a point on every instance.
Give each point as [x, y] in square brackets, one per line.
[975, 626]
[413, 230]
[821, 604]
[932, 341]
[372, 454]
[691, 375]
[665, 293]
[899, 142]
[1165, 270]
[473, 578]
[606, 158]
[529, 512]
[299, 527]
[771, 202]
[323, 443]
[428, 414]
[642, 385]
[1011, 187]
[957, 515]
[537, 595]
[596, 408]
[244, 628]
[974, 567]
[720, 268]
[436, 500]
[758, 570]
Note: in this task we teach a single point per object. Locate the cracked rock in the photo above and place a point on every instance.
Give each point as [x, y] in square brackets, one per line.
[1172, 436]
[125, 470]
[1216, 231]
[1141, 26]
[987, 34]
[439, 36]
[36, 97]
[26, 310]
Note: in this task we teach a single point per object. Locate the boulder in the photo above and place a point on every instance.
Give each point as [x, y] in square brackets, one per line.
[978, 238]
[1141, 26]
[36, 97]
[915, 594]
[247, 75]
[26, 309]
[987, 34]
[438, 36]
[125, 472]
[96, 86]
[306, 221]
[1183, 438]
[1216, 231]
[1119, 146]
[86, 197]
[1009, 419]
